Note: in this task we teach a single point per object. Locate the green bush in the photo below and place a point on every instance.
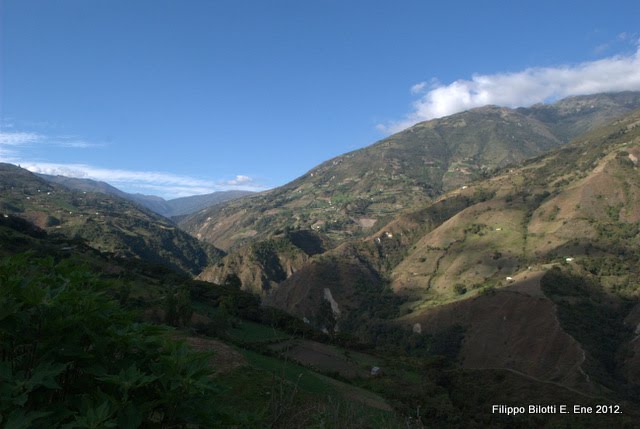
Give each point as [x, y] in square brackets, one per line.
[71, 357]
[460, 289]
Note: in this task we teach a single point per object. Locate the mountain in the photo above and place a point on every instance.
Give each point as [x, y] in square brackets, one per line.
[167, 208]
[535, 264]
[106, 222]
[358, 193]
[538, 265]
[186, 205]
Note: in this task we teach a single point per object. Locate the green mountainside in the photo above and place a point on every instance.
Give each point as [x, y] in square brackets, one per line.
[537, 258]
[580, 199]
[108, 223]
[540, 260]
[95, 341]
[167, 208]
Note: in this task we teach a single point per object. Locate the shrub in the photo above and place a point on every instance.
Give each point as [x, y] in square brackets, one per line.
[460, 289]
[71, 356]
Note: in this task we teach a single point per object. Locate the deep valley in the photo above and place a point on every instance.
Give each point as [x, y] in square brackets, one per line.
[488, 257]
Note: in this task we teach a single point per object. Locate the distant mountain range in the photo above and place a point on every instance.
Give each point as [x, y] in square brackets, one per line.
[167, 208]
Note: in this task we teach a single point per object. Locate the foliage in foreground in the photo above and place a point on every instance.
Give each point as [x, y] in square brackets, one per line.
[71, 357]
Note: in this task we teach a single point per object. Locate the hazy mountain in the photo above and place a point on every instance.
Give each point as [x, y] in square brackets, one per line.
[107, 222]
[194, 203]
[167, 208]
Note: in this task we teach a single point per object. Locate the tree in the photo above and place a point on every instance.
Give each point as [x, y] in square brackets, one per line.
[460, 289]
[325, 317]
[232, 281]
[177, 307]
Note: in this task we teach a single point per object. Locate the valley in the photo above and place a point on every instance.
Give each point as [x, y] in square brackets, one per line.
[486, 257]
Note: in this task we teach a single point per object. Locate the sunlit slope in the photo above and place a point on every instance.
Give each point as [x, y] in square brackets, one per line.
[356, 193]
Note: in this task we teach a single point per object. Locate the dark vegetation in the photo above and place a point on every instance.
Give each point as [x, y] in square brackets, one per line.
[72, 356]
[76, 351]
[591, 317]
[105, 222]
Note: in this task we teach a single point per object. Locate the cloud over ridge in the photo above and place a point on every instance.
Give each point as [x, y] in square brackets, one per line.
[523, 88]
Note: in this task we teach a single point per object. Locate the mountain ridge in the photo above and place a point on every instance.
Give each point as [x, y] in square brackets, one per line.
[354, 193]
[336, 211]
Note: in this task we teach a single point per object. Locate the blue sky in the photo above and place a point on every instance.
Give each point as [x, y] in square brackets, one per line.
[181, 97]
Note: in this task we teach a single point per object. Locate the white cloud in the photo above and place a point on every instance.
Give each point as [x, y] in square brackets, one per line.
[74, 143]
[18, 138]
[23, 138]
[523, 88]
[239, 180]
[168, 185]
[418, 87]
[14, 143]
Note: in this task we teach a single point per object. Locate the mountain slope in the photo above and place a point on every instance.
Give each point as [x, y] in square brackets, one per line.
[262, 353]
[108, 223]
[360, 191]
[579, 199]
[539, 265]
[583, 199]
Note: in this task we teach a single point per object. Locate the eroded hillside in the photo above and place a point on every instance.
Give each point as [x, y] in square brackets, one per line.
[477, 258]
